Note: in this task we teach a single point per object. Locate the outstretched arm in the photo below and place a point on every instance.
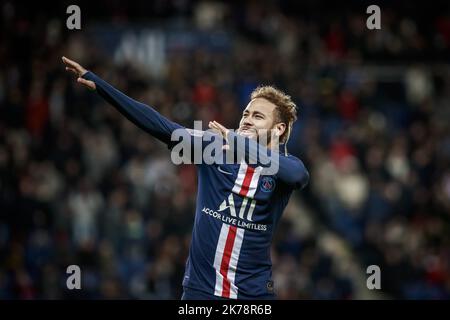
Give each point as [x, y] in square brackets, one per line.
[140, 114]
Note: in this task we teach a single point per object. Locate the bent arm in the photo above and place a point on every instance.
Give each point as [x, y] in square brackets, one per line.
[289, 169]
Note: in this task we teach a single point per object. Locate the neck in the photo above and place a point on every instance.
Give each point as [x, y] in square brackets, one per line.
[279, 147]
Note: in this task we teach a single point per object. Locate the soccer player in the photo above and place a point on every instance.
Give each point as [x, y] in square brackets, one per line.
[238, 207]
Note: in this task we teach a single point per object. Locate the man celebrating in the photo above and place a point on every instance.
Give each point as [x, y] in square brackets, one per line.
[238, 206]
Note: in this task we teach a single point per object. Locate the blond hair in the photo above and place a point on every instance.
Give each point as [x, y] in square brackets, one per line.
[286, 110]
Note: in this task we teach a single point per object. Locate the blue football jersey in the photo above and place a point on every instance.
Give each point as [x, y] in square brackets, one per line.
[236, 215]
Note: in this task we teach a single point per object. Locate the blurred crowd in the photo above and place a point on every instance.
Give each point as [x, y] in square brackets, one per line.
[81, 185]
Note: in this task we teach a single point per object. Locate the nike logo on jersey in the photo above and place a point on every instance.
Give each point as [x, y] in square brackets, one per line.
[223, 171]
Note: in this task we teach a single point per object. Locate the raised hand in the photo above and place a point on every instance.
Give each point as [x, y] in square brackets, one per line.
[214, 125]
[79, 71]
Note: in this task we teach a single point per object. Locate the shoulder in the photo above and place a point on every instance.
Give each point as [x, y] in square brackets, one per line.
[293, 159]
[298, 174]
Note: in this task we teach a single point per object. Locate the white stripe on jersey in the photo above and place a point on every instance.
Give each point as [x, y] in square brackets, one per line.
[240, 177]
[234, 261]
[218, 258]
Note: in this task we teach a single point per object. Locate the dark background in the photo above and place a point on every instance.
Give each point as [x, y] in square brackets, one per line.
[81, 185]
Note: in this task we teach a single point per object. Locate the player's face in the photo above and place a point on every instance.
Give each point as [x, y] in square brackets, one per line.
[258, 116]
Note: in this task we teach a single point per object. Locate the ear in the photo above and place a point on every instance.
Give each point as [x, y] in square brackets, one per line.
[280, 128]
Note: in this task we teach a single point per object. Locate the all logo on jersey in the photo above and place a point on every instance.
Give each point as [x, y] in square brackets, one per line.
[229, 204]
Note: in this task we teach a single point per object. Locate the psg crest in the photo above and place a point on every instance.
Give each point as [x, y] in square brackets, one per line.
[267, 184]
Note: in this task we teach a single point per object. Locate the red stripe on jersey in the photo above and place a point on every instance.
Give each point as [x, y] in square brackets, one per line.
[226, 261]
[247, 181]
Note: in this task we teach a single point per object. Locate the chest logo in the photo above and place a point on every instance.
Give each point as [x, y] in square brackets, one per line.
[229, 204]
[223, 171]
[267, 184]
